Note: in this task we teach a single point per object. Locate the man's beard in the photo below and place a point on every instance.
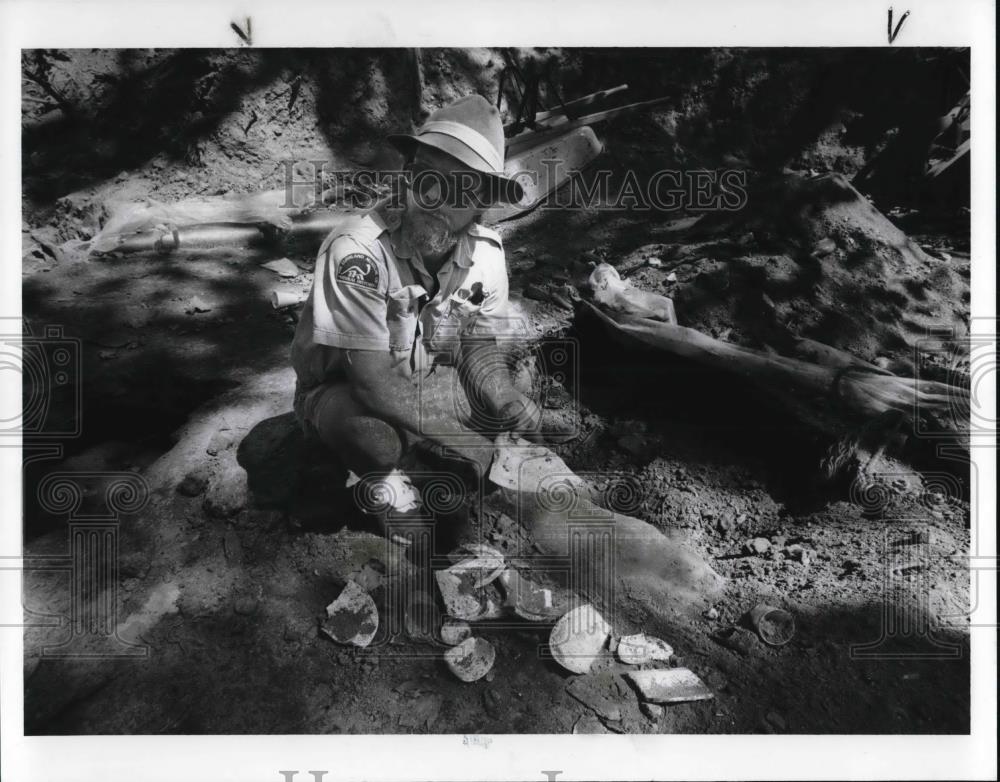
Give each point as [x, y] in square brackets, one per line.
[428, 233]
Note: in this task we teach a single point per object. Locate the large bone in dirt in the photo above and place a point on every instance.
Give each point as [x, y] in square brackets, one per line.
[857, 391]
[618, 562]
[213, 222]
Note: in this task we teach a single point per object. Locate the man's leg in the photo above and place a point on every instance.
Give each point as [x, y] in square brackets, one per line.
[365, 443]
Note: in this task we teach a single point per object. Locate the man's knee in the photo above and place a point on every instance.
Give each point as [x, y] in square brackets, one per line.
[362, 440]
[369, 442]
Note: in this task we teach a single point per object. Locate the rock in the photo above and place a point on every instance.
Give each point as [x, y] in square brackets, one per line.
[578, 638]
[227, 492]
[195, 305]
[493, 704]
[672, 277]
[656, 263]
[471, 659]
[797, 553]
[823, 247]
[641, 649]
[711, 614]
[421, 712]
[536, 292]
[602, 692]
[193, 484]
[758, 546]
[652, 710]
[669, 685]
[283, 267]
[352, 618]
[454, 631]
[775, 720]
[588, 723]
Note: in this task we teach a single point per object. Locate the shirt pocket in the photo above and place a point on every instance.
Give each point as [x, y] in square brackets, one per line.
[402, 311]
[466, 303]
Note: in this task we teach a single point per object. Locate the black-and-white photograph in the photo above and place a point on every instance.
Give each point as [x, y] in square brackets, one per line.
[497, 390]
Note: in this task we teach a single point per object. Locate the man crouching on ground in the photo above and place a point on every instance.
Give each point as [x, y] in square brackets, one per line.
[405, 302]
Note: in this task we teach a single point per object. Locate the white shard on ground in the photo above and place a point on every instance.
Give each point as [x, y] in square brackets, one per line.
[454, 631]
[670, 685]
[283, 267]
[352, 618]
[471, 660]
[485, 568]
[577, 640]
[460, 601]
[523, 467]
[641, 649]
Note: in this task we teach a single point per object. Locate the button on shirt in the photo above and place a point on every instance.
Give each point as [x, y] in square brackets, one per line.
[371, 291]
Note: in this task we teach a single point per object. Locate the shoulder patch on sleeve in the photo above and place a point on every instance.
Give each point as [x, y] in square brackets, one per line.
[359, 270]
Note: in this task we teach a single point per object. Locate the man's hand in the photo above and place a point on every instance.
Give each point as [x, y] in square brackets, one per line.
[522, 416]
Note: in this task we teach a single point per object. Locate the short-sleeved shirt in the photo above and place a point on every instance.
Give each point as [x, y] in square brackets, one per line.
[371, 291]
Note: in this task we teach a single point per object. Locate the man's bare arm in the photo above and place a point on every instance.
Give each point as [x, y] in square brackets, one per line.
[483, 366]
[377, 386]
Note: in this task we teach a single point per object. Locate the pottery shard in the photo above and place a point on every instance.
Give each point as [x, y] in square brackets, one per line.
[461, 600]
[470, 660]
[640, 649]
[531, 601]
[283, 267]
[578, 638]
[670, 685]
[453, 631]
[352, 618]
[484, 569]
[527, 468]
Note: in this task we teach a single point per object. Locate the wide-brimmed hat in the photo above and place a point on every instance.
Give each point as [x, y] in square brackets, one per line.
[469, 130]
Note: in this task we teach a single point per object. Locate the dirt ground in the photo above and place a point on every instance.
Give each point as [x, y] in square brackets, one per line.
[246, 536]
